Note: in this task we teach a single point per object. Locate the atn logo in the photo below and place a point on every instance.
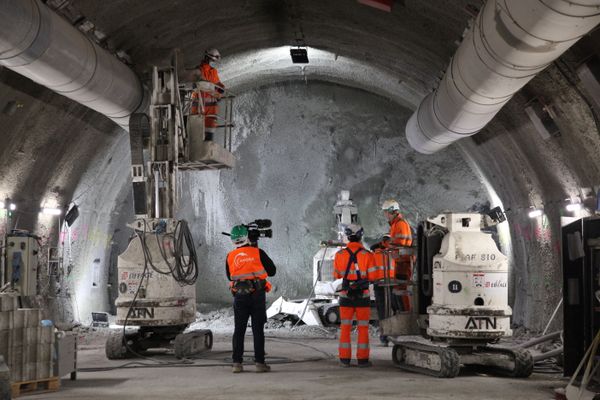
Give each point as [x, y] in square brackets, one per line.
[481, 323]
[141, 312]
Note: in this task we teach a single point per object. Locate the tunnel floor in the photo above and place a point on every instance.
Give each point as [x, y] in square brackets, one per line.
[317, 379]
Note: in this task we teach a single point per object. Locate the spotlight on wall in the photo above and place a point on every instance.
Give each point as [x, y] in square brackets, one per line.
[51, 211]
[12, 207]
[535, 212]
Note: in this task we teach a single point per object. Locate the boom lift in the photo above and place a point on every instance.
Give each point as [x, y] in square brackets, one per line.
[158, 270]
[460, 301]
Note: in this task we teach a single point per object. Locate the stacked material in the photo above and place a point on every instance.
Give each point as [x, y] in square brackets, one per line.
[25, 344]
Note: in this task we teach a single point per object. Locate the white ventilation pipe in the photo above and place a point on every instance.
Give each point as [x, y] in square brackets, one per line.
[39, 44]
[509, 43]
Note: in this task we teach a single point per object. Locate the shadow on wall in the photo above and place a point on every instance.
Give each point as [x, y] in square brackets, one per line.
[297, 146]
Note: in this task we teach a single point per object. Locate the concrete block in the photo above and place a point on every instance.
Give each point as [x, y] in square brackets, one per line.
[44, 352]
[33, 316]
[27, 337]
[5, 342]
[30, 371]
[16, 369]
[44, 370]
[8, 302]
[18, 320]
[6, 318]
[24, 354]
[47, 334]
[4, 371]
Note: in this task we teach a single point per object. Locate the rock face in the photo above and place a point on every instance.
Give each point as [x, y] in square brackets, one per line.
[297, 145]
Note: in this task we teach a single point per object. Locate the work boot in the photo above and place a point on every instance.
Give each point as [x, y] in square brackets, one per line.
[262, 367]
[344, 364]
[364, 364]
[208, 136]
[237, 368]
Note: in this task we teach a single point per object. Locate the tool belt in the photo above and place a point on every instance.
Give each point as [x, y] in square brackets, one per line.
[354, 289]
[248, 286]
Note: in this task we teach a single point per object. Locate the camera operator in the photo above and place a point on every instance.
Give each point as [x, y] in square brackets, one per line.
[247, 268]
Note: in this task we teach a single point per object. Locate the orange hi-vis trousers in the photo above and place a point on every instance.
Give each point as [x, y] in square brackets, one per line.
[362, 319]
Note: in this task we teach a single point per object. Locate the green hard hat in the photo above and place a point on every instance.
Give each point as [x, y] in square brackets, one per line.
[239, 232]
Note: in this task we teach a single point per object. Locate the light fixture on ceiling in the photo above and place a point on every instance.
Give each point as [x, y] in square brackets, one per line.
[535, 212]
[299, 55]
[51, 211]
[574, 205]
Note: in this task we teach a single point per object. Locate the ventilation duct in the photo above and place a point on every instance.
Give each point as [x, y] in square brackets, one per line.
[42, 46]
[509, 43]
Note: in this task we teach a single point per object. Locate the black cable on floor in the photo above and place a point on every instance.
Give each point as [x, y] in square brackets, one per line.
[191, 363]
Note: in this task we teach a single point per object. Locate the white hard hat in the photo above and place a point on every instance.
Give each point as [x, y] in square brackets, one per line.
[213, 54]
[353, 230]
[390, 205]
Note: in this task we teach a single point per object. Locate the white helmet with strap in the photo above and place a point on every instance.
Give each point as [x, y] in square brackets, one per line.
[390, 205]
[212, 54]
[353, 232]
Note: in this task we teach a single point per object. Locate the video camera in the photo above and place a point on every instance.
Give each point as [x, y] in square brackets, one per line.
[257, 229]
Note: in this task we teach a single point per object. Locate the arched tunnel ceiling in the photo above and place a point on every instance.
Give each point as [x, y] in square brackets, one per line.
[399, 54]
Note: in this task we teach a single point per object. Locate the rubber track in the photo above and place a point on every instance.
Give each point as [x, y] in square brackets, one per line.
[523, 362]
[191, 343]
[449, 358]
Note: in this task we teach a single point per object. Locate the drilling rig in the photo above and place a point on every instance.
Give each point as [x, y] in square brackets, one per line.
[157, 272]
[459, 297]
[322, 307]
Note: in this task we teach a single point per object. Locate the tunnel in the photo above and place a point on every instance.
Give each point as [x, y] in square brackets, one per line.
[355, 117]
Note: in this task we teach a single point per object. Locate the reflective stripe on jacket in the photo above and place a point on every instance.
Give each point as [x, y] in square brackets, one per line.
[244, 264]
[383, 265]
[210, 74]
[400, 234]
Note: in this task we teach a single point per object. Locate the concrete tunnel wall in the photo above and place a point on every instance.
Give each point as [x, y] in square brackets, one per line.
[297, 145]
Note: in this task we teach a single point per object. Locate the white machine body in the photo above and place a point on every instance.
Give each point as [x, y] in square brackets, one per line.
[21, 264]
[325, 285]
[470, 275]
[161, 300]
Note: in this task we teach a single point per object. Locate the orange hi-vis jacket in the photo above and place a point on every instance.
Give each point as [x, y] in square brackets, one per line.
[210, 74]
[384, 265]
[365, 263]
[400, 234]
[244, 264]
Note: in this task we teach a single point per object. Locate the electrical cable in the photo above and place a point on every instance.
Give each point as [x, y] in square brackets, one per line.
[185, 272]
[275, 360]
